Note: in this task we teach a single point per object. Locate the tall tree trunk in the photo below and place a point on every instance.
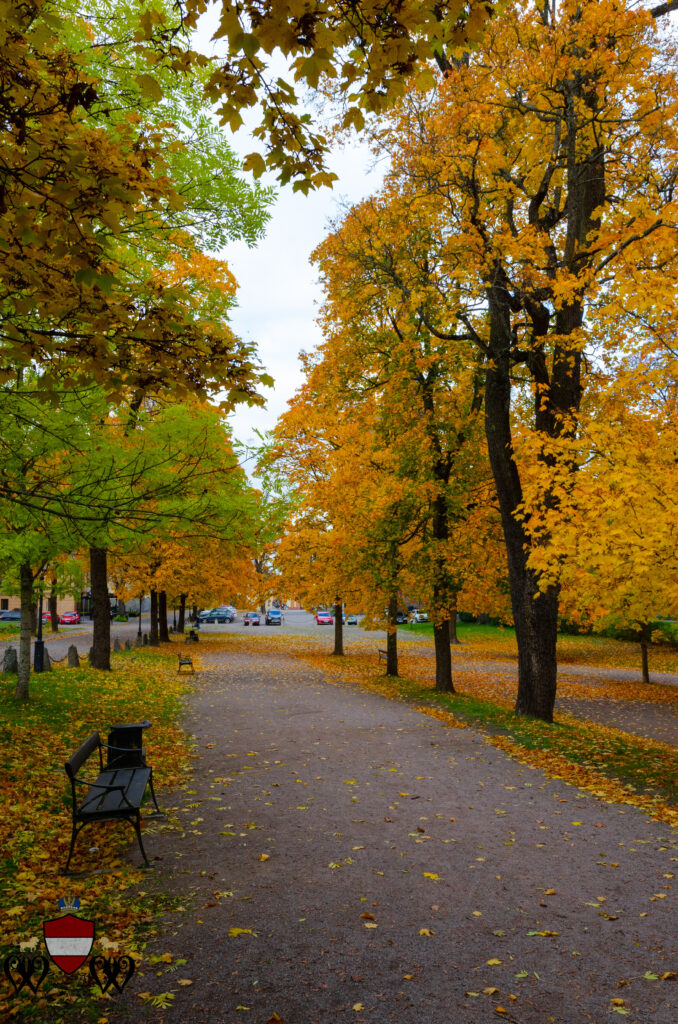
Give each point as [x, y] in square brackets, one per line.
[52, 607]
[535, 614]
[338, 628]
[182, 613]
[454, 639]
[644, 640]
[153, 635]
[24, 675]
[441, 640]
[163, 632]
[392, 637]
[101, 609]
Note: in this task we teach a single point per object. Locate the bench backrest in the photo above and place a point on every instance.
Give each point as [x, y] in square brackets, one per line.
[76, 760]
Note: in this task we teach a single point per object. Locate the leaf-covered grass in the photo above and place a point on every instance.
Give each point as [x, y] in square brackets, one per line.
[500, 642]
[36, 738]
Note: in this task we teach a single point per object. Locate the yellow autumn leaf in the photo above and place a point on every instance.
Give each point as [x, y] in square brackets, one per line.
[184, 982]
[430, 874]
[493, 962]
[490, 991]
[263, 857]
[426, 931]
[234, 932]
[358, 1007]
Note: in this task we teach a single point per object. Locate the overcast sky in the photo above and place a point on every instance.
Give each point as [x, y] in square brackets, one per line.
[278, 293]
[278, 290]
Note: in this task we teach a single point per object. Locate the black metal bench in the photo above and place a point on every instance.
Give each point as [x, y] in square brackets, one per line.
[383, 655]
[185, 662]
[116, 793]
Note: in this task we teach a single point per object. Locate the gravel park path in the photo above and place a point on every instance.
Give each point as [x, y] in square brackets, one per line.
[339, 857]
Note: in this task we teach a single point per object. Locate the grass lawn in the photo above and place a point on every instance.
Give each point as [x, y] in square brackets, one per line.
[500, 642]
[36, 738]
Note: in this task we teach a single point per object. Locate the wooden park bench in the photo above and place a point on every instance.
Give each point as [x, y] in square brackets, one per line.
[117, 792]
[185, 662]
[383, 655]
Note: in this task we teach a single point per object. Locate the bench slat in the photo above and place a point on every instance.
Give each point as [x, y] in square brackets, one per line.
[102, 802]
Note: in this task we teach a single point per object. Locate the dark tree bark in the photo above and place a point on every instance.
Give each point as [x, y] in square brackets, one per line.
[454, 639]
[644, 641]
[392, 637]
[153, 635]
[52, 608]
[182, 613]
[24, 673]
[163, 631]
[194, 613]
[101, 609]
[441, 640]
[338, 628]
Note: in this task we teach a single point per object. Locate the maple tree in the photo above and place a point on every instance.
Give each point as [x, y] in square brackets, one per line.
[96, 192]
[613, 548]
[554, 196]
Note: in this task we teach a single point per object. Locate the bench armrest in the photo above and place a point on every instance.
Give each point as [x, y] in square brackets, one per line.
[97, 785]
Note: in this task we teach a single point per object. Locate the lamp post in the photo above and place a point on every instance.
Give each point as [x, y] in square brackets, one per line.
[39, 646]
[139, 629]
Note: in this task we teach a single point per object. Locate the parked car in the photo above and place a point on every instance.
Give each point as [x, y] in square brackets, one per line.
[324, 619]
[70, 619]
[223, 614]
[251, 619]
[10, 615]
[274, 617]
[419, 616]
[351, 620]
[47, 617]
[401, 618]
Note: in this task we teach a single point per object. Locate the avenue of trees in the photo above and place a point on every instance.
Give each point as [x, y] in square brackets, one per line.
[117, 362]
[491, 418]
[504, 310]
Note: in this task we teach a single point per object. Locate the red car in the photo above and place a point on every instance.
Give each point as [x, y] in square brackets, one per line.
[46, 617]
[324, 619]
[251, 619]
[70, 618]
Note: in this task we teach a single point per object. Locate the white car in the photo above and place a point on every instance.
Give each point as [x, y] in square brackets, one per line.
[419, 616]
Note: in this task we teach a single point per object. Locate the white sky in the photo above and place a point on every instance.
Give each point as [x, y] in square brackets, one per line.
[278, 289]
[278, 292]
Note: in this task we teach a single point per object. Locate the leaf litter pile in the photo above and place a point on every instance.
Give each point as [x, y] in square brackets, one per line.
[36, 738]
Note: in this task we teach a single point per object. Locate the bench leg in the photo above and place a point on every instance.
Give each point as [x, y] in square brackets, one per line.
[137, 828]
[70, 852]
[150, 782]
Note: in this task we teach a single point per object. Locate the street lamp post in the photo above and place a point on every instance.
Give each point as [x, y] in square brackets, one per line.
[139, 629]
[39, 647]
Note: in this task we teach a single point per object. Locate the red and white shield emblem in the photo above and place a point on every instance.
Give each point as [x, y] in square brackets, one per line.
[69, 940]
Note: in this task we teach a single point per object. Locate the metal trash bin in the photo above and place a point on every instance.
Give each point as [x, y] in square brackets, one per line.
[127, 743]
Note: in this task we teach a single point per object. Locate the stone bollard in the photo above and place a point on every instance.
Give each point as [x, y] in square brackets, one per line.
[145, 639]
[138, 642]
[116, 645]
[128, 644]
[10, 663]
[73, 659]
[46, 661]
